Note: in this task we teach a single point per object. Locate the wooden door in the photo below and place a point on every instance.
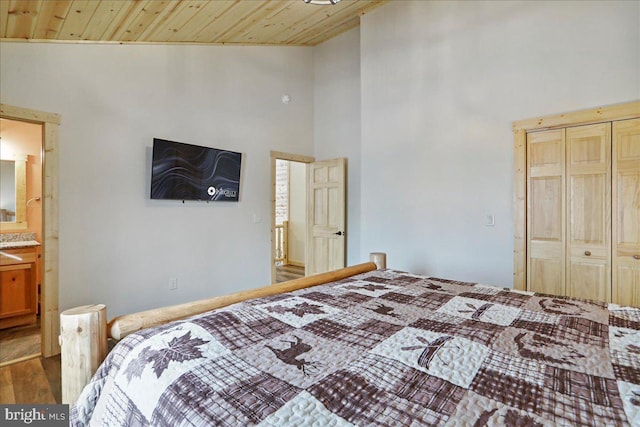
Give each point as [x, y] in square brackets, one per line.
[626, 212]
[546, 211]
[589, 211]
[325, 247]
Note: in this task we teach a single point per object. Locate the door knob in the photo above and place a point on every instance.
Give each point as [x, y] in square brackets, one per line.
[338, 233]
[636, 257]
[587, 253]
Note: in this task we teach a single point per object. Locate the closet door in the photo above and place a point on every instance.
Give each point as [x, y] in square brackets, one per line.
[589, 211]
[545, 207]
[626, 215]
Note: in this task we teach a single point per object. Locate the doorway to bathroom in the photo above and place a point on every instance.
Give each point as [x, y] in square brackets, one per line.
[48, 205]
[21, 234]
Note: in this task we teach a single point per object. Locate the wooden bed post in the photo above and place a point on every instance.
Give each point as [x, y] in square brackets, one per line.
[83, 341]
[379, 259]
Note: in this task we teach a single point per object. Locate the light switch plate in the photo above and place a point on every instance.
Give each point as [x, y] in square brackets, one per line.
[490, 220]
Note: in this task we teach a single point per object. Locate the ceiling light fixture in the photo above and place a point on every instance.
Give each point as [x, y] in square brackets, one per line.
[321, 2]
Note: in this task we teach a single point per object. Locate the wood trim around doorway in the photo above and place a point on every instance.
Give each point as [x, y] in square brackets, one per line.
[50, 122]
[624, 111]
[292, 158]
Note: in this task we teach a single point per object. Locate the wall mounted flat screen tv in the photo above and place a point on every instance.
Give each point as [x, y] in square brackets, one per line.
[190, 172]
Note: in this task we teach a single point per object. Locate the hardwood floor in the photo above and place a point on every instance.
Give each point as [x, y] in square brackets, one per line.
[19, 343]
[36, 380]
[288, 272]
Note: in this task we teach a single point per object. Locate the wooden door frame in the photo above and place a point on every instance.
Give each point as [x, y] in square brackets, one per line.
[278, 155]
[629, 110]
[50, 319]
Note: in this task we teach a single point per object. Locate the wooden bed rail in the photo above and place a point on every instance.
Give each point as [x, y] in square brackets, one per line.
[122, 326]
[83, 337]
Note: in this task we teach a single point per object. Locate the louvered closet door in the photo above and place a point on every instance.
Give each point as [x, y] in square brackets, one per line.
[589, 211]
[545, 206]
[626, 216]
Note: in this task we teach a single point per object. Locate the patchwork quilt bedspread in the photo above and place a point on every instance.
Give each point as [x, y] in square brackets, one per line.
[382, 348]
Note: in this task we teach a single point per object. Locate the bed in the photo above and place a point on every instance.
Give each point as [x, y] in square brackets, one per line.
[382, 347]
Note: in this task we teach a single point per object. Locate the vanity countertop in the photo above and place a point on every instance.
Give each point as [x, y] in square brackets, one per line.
[20, 244]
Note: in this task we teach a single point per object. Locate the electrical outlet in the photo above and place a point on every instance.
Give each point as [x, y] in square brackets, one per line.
[173, 284]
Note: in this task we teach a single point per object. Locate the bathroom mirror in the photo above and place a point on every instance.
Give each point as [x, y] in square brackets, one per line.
[13, 193]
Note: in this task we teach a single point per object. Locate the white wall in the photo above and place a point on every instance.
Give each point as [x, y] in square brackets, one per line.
[117, 246]
[337, 120]
[441, 84]
[297, 211]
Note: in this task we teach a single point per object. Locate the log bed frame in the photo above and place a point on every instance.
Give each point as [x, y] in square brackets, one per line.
[84, 331]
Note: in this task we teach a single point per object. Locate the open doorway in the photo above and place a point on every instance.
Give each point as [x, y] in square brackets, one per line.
[48, 254]
[21, 236]
[324, 238]
[288, 216]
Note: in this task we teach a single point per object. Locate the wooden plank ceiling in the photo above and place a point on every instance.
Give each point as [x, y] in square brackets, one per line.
[242, 22]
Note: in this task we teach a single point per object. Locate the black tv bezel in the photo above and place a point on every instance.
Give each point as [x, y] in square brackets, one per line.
[155, 161]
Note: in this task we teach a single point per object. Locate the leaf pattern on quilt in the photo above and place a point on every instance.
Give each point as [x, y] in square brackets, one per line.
[430, 351]
[512, 418]
[483, 419]
[561, 306]
[383, 309]
[477, 311]
[298, 310]
[620, 334]
[137, 365]
[632, 348]
[537, 346]
[180, 349]
[433, 287]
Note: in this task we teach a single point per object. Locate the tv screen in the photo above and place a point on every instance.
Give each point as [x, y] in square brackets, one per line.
[190, 172]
